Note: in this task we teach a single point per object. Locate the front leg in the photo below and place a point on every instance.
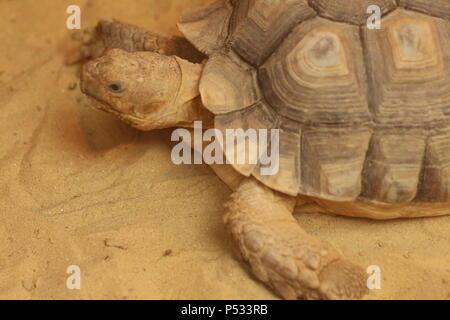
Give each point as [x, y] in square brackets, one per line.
[118, 35]
[281, 254]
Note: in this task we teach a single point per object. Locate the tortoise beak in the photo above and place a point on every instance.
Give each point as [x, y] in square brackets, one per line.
[91, 86]
[89, 79]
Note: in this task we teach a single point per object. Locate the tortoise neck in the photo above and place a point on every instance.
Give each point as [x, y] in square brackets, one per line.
[191, 107]
[195, 111]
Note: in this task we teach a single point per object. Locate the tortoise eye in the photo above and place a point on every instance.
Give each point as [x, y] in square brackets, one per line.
[116, 87]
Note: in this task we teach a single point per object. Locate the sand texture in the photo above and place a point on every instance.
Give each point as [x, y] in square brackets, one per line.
[78, 187]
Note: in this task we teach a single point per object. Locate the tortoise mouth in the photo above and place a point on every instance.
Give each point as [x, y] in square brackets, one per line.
[104, 106]
[90, 87]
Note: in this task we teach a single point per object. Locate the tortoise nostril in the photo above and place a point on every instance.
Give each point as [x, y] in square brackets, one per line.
[88, 83]
[91, 68]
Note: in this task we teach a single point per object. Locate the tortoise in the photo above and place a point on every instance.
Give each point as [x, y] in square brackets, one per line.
[363, 116]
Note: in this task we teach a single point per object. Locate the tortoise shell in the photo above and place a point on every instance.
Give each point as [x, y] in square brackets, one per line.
[364, 114]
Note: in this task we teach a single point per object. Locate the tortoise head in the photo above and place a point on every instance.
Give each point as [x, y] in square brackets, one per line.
[141, 88]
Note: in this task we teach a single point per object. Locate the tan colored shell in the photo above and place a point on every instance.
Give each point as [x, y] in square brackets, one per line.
[364, 114]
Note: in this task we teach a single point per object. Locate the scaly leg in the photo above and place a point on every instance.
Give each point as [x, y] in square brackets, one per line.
[281, 254]
[117, 35]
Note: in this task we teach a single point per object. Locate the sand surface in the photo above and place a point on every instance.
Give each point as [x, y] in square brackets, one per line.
[79, 188]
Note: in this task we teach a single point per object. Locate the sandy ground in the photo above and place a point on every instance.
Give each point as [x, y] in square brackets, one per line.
[79, 188]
